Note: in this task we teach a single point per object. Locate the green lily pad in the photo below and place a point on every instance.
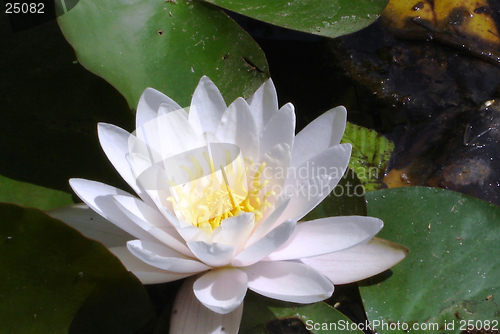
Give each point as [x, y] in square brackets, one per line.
[165, 44]
[327, 18]
[371, 153]
[32, 195]
[262, 315]
[54, 280]
[451, 274]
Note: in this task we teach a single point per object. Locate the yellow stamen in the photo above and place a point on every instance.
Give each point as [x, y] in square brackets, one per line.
[227, 186]
[206, 201]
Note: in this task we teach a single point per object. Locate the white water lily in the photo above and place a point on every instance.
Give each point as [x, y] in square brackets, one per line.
[221, 192]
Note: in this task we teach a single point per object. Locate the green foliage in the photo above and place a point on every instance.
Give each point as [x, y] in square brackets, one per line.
[327, 18]
[54, 280]
[451, 274]
[261, 314]
[167, 45]
[32, 195]
[371, 153]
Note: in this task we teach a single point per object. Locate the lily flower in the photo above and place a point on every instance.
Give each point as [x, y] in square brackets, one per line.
[221, 191]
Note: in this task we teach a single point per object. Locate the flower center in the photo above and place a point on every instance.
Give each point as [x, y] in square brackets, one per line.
[206, 200]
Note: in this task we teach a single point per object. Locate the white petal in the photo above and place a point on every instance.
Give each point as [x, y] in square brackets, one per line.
[324, 132]
[265, 246]
[190, 316]
[279, 129]
[288, 281]
[147, 130]
[91, 225]
[360, 262]
[164, 258]
[212, 254]
[264, 103]
[176, 134]
[153, 222]
[268, 223]
[234, 231]
[166, 108]
[277, 161]
[194, 120]
[144, 272]
[100, 198]
[146, 143]
[327, 235]
[154, 179]
[142, 153]
[115, 144]
[140, 156]
[310, 183]
[221, 290]
[209, 105]
[188, 232]
[149, 103]
[237, 126]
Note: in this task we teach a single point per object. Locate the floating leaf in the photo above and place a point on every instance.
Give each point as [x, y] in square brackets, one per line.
[451, 274]
[31, 195]
[371, 153]
[167, 45]
[326, 18]
[54, 280]
[262, 315]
